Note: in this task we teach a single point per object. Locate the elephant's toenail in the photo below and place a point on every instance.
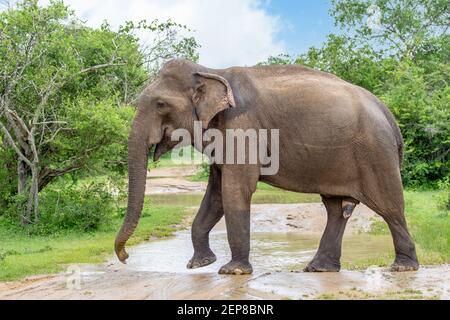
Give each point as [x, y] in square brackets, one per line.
[238, 271]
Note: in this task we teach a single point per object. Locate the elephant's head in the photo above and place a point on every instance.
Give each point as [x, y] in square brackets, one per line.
[182, 92]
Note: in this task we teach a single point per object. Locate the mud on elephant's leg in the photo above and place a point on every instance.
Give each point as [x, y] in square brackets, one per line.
[238, 185]
[210, 212]
[327, 258]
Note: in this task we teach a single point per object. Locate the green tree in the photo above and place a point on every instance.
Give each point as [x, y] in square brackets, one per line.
[421, 107]
[66, 91]
[406, 43]
[396, 27]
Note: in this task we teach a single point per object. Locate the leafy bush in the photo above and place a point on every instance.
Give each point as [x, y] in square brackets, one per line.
[203, 173]
[8, 182]
[421, 109]
[64, 206]
[443, 200]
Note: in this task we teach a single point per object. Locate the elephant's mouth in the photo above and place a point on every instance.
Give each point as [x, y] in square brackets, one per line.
[164, 145]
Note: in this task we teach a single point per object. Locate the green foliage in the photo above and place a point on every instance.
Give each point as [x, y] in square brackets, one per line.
[83, 209]
[395, 27]
[68, 205]
[8, 182]
[340, 55]
[203, 172]
[443, 199]
[444, 202]
[101, 129]
[69, 89]
[423, 113]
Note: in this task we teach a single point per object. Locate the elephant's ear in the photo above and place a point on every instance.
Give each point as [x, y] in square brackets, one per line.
[212, 95]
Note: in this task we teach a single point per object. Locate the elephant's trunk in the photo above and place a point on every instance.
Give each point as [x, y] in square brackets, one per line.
[138, 148]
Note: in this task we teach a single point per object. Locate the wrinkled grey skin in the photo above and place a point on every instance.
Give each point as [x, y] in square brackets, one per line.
[336, 140]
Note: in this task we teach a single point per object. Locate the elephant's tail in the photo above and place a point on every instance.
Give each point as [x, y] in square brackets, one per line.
[398, 138]
[400, 147]
[395, 130]
[397, 133]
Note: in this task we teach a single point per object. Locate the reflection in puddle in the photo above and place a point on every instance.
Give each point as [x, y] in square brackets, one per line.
[270, 251]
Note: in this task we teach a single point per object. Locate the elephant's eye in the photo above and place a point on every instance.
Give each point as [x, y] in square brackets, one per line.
[160, 104]
[161, 107]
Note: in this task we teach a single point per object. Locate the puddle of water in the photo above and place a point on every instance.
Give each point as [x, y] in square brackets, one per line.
[284, 237]
[270, 251]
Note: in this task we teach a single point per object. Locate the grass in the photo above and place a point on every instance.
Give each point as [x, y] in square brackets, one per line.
[21, 255]
[429, 225]
[261, 196]
[268, 194]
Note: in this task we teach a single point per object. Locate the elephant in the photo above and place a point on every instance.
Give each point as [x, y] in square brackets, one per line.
[336, 139]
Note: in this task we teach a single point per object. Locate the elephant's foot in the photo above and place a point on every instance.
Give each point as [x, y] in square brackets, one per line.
[236, 268]
[402, 265]
[201, 260]
[318, 265]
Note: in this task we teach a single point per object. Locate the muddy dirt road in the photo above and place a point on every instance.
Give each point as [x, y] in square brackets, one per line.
[284, 239]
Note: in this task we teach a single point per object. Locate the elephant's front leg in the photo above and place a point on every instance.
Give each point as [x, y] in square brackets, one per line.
[327, 258]
[238, 185]
[210, 212]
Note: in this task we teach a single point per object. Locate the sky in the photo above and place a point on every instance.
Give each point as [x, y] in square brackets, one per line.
[230, 32]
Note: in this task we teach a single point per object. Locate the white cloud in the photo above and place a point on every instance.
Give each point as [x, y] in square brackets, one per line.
[233, 32]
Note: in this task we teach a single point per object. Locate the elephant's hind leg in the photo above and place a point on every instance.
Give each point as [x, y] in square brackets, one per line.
[405, 252]
[210, 212]
[327, 258]
[385, 197]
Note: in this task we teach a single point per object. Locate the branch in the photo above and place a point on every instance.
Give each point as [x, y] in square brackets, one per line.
[19, 69]
[18, 128]
[53, 87]
[51, 122]
[100, 66]
[13, 144]
[47, 175]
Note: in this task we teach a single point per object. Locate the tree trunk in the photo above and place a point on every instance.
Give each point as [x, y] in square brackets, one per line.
[33, 197]
[21, 176]
[28, 185]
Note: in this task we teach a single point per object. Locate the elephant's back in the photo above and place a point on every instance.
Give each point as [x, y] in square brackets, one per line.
[314, 111]
[318, 106]
[320, 110]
